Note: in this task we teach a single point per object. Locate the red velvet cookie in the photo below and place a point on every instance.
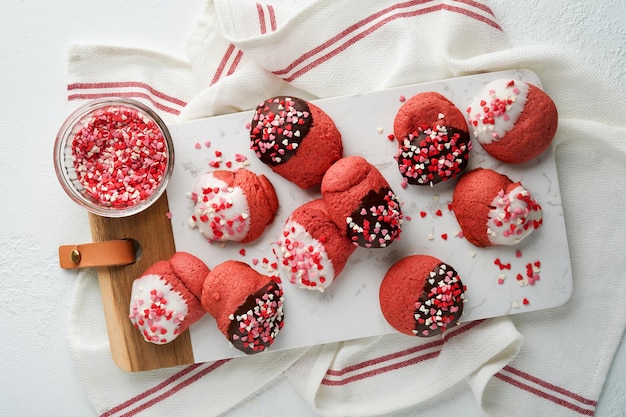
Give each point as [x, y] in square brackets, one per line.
[433, 139]
[296, 139]
[493, 210]
[361, 203]
[247, 306]
[421, 296]
[232, 205]
[164, 300]
[513, 120]
[312, 250]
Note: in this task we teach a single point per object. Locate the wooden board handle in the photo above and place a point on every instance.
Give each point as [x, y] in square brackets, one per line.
[153, 231]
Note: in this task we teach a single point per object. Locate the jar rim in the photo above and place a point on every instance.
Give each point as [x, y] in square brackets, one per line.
[62, 153]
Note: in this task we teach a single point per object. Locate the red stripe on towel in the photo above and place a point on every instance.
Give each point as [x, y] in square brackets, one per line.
[124, 84]
[392, 361]
[235, 63]
[368, 374]
[150, 391]
[550, 386]
[337, 37]
[270, 11]
[547, 391]
[354, 33]
[271, 16]
[261, 13]
[472, 15]
[477, 5]
[384, 358]
[185, 381]
[220, 68]
[124, 94]
[232, 50]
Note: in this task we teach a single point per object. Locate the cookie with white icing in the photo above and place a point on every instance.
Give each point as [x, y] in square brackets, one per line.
[312, 250]
[165, 299]
[513, 120]
[493, 210]
[232, 205]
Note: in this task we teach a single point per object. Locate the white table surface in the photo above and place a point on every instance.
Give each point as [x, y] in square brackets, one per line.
[38, 216]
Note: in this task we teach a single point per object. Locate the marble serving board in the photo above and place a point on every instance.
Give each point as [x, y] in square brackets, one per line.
[349, 308]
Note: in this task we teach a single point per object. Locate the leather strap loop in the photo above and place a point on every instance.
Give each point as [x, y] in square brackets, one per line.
[108, 253]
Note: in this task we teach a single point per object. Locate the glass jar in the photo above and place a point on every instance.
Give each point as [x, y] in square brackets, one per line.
[114, 157]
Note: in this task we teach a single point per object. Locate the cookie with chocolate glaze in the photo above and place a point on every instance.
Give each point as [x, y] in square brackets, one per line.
[513, 120]
[296, 139]
[421, 296]
[361, 202]
[433, 139]
[247, 305]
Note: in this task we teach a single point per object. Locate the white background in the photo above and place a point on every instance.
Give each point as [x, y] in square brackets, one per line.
[37, 377]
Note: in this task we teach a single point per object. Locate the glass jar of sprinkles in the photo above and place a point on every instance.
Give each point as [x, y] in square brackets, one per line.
[114, 157]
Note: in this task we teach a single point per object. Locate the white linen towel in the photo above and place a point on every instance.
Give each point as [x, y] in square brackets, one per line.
[242, 52]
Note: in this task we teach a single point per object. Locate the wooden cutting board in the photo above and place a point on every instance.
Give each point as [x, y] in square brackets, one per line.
[152, 230]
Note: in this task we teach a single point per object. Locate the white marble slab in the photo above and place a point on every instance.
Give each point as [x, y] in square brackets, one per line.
[349, 308]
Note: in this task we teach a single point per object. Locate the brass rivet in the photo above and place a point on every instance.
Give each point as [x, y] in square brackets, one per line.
[75, 256]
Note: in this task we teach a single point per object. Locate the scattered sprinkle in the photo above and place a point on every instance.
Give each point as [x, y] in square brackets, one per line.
[501, 265]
